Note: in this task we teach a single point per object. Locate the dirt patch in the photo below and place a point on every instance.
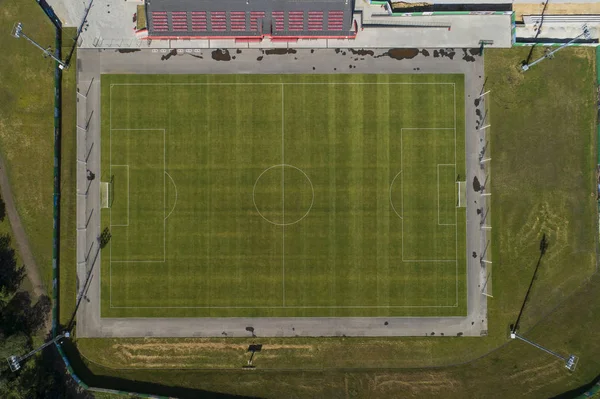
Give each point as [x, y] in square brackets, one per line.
[171, 53]
[476, 184]
[179, 346]
[128, 50]
[362, 52]
[280, 51]
[401, 53]
[221, 55]
[415, 384]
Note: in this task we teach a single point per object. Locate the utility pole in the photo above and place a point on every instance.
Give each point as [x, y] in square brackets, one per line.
[15, 361]
[17, 32]
[585, 33]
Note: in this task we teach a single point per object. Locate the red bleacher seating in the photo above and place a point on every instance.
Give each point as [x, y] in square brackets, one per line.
[254, 17]
[278, 17]
[218, 21]
[315, 20]
[179, 21]
[237, 19]
[295, 20]
[335, 20]
[160, 22]
[199, 21]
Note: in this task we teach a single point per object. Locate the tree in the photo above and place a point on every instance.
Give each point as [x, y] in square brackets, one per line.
[11, 275]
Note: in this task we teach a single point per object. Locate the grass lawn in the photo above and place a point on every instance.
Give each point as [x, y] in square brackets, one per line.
[27, 137]
[26, 124]
[543, 148]
[283, 195]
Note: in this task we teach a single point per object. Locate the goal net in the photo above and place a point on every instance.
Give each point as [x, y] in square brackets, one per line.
[462, 194]
[105, 194]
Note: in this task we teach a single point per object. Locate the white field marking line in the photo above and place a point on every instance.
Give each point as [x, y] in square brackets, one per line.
[456, 209]
[164, 196]
[128, 194]
[458, 194]
[174, 185]
[312, 188]
[283, 194]
[295, 307]
[298, 307]
[438, 193]
[458, 191]
[109, 209]
[281, 83]
[391, 188]
[402, 196]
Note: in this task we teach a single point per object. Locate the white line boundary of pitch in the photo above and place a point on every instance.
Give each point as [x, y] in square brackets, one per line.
[280, 83]
[283, 255]
[176, 195]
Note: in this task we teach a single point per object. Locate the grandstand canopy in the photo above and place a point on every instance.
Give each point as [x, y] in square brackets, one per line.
[249, 18]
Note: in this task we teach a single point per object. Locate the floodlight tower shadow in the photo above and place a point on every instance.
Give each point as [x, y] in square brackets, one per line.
[571, 360]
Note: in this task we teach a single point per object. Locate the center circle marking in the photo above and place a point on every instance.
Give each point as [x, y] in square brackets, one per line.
[280, 166]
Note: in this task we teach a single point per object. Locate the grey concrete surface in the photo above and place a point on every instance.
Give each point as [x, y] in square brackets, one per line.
[110, 25]
[91, 64]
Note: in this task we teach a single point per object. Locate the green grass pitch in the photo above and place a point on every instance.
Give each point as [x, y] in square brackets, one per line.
[283, 195]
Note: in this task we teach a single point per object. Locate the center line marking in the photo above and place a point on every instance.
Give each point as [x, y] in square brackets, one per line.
[282, 197]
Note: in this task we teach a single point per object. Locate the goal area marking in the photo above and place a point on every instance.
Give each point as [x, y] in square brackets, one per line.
[107, 187]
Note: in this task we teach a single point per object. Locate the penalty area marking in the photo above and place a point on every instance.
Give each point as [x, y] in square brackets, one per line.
[391, 188]
[174, 185]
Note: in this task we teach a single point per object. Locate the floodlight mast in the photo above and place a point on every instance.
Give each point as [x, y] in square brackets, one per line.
[18, 33]
[586, 34]
[570, 362]
[15, 361]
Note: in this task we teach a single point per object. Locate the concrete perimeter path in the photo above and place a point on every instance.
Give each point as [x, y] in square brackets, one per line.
[92, 63]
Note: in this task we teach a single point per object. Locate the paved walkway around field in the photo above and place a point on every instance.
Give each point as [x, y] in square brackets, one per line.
[92, 63]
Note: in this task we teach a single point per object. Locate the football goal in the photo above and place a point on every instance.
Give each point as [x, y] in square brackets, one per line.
[105, 194]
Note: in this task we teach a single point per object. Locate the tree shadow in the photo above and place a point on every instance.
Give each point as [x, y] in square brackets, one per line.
[11, 275]
[104, 238]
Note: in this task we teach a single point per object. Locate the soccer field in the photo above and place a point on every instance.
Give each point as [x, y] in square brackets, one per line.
[283, 195]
